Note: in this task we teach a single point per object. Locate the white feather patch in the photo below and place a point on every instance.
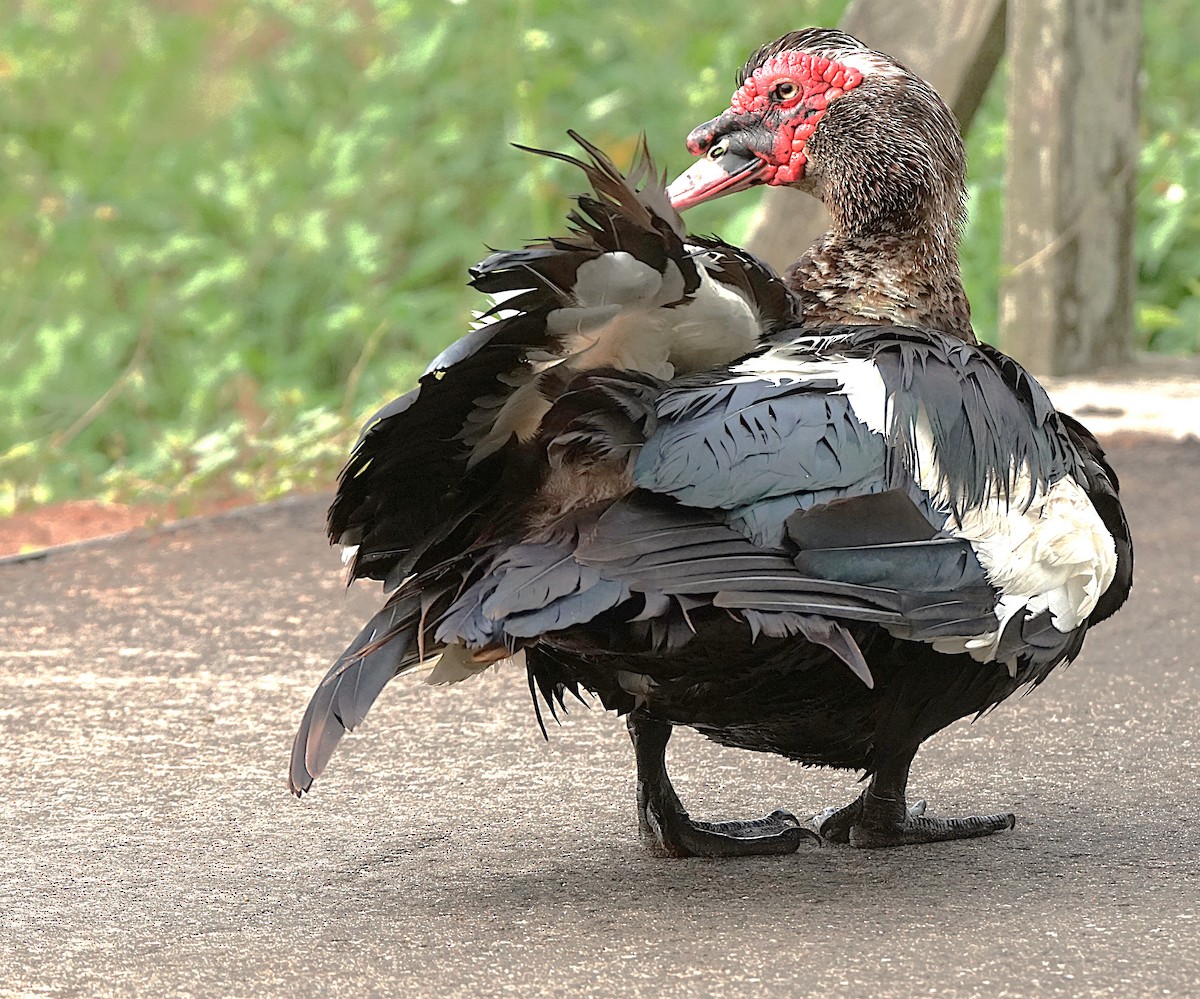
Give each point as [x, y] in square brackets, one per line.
[716, 326]
[869, 63]
[1044, 549]
[621, 320]
[616, 278]
[858, 380]
[618, 318]
[486, 318]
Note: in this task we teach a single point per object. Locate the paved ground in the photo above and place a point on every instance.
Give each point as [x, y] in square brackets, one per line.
[1157, 394]
[150, 687]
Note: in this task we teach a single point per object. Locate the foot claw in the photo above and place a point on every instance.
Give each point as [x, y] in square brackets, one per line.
[833, 824]
[675, 834]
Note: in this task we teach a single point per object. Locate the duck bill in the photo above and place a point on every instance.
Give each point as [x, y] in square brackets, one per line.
[708, 178]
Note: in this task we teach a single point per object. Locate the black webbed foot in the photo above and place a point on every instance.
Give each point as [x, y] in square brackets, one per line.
[880, 817]
[672, 833]
[834, 824]
[914, 829]
[883, 826]
[667, 830]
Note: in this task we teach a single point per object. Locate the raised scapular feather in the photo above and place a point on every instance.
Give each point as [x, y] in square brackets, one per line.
[618, 319]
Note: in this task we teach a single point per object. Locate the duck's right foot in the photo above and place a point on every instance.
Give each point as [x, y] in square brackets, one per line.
[668, 831]
[880, 817]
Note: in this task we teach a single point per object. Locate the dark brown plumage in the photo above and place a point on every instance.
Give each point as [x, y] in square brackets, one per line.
[764, 510]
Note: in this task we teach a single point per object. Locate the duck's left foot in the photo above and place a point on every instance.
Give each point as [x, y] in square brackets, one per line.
[670, 832]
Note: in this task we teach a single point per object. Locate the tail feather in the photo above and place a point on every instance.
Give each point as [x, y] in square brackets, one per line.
[384, 648]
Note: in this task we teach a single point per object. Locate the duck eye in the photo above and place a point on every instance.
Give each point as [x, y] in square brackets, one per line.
[784, 91]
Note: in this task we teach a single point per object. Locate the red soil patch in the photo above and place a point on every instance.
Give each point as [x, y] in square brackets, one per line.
[78, 520]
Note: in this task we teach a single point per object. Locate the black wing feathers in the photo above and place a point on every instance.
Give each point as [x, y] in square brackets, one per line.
[883, 539]
[380, 505]
[783, 493]
[886, 518]
[1103, 489]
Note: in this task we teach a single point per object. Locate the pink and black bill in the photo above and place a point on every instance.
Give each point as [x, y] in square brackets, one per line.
[734, 159]
[763, 137]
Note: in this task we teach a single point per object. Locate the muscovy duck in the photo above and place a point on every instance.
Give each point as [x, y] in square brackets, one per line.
[784, 520]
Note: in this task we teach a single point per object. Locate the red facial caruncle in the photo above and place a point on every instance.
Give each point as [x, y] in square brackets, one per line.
[790, 80]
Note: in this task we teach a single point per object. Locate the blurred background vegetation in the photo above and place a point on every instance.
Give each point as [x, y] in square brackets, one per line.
[231, 230]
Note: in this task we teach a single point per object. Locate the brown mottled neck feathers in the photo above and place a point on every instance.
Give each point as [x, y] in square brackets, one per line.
[900, 279]
[889, 164]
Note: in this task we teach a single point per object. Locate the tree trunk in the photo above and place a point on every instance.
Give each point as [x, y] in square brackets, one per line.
[1066, 303]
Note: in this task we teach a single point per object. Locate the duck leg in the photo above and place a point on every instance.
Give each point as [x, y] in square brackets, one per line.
[880, 815]
[667, 830]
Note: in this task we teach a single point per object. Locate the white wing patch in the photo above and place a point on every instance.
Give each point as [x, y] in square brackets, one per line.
[717, 326]
[1044, 549]
[619, 278]
[621, 320]
[859, 380]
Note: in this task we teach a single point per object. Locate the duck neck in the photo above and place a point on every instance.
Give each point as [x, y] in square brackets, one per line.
[907, 278]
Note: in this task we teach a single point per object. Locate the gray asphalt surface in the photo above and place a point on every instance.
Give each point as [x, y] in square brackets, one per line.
[151, 687]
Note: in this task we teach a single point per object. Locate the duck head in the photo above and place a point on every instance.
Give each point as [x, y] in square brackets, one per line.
[819, 111]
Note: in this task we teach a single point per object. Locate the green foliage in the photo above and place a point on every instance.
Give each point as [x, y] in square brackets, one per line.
[1168, 236]
[232, 229]
[214, 210]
